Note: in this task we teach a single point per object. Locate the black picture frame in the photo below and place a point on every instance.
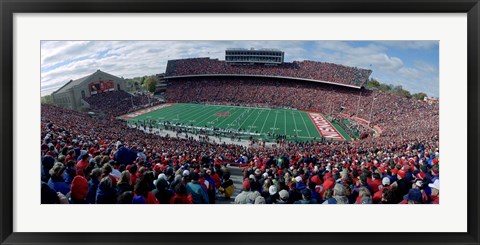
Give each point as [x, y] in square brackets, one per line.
[9, 7]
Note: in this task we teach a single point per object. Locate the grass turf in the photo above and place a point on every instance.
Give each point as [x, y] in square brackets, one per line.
[248, 120]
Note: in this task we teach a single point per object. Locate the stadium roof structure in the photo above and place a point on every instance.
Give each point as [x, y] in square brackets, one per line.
[192, 67]
[73, 83]
[252, 49]
[264, 76]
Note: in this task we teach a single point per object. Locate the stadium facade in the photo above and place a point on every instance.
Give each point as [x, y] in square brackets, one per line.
[267, 63]
[253, 56]
[72, 94]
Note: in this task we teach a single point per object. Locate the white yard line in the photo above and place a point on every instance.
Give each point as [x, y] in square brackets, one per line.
[295, 122]
[261, 112]
[275, 124]
[265, 121]
[246, 119]
[308, 131]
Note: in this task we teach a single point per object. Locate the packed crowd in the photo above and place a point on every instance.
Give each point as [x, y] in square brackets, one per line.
[103, 161]
[298, 69]
[89, 160]
[396, 116]
[119, 102]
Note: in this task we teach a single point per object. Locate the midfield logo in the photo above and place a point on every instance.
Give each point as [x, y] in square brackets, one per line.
[223, 114]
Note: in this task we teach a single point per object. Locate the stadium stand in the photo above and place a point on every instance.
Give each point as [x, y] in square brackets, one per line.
[393, 114]
[320, 71]
[102, 160]
[119, 102]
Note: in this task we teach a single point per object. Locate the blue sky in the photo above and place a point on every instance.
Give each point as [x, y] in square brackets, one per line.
[411, 64]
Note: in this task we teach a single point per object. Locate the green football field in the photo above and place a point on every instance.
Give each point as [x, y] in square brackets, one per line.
[243, 121]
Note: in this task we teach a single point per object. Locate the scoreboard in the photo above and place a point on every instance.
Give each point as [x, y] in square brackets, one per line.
[101, 86]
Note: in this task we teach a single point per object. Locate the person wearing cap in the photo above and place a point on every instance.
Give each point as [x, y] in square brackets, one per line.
[242, 197]
[403, 186]
[185, 176]
[377, 196]
[78, 192]
[414, 196]
[420, 185]
[199, 195]
[252, 196]
[227, 187]
[257, 181]
[283, 197]
[299, 183]
[272, 194]
[162, 192]
[260, 200]
[435, 196]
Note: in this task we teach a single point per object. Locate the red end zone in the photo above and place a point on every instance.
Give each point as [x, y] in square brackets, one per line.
[324, 127]
[145, 111]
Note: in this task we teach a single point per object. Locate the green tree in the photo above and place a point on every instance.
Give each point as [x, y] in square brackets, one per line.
[142, 80]
[47, 99]
[372, 83]
[385, 87]
[419, 96]
[150, 84]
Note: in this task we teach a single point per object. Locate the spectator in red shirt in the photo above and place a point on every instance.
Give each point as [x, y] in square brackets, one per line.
[83, 163]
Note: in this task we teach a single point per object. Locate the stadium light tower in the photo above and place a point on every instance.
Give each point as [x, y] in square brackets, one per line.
[358, 105]
[371, 111]
[131, 99]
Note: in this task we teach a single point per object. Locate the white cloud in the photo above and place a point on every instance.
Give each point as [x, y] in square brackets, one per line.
[422, 77]
[415, 45]
[66, 60]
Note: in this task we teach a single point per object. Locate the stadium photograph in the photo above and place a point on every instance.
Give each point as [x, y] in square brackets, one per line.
[240, 122]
